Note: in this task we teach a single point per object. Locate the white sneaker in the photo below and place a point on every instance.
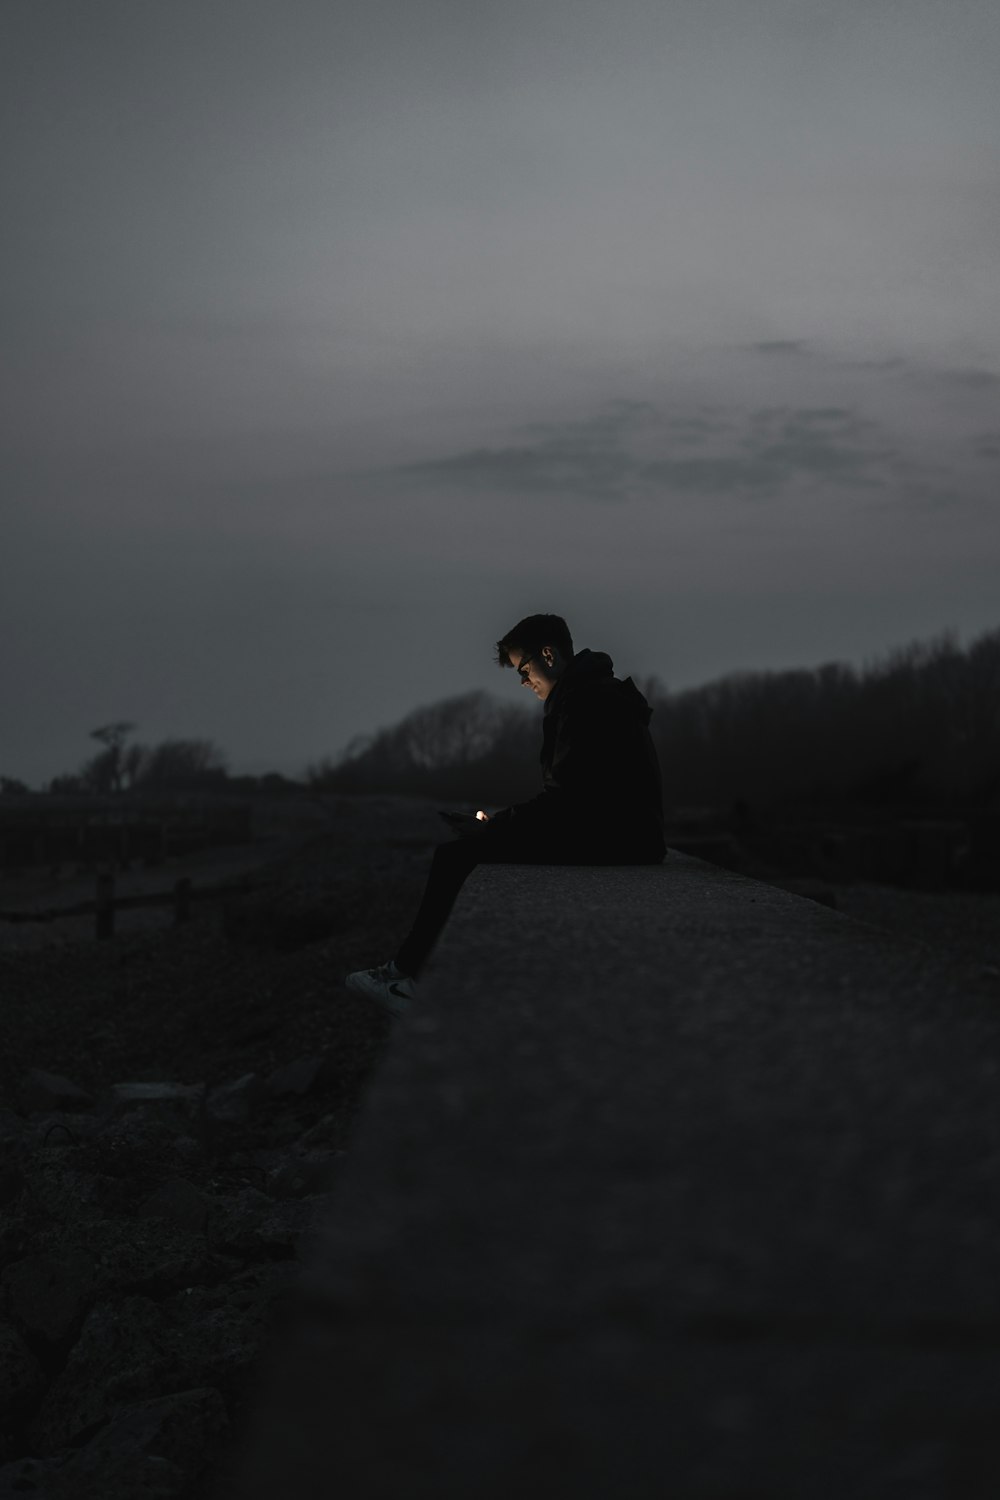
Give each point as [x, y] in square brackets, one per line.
[385, 985]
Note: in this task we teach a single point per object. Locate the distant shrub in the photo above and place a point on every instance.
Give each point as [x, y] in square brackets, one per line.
[467, 747]
[921, 725]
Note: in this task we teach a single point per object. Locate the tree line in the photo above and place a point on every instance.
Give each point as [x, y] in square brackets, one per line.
[125, 765]
[918, 727]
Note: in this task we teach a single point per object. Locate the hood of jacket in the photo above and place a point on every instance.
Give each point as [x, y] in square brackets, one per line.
[594, 671]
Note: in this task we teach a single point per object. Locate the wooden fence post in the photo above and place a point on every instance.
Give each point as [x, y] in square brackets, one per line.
[105, 903]
[182, 901]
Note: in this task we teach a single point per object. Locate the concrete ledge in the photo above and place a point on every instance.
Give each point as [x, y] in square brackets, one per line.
[674, 1185]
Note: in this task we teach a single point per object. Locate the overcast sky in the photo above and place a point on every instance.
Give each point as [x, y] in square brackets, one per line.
[340, 336]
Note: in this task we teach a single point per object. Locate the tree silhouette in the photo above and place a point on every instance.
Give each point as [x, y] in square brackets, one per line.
[180, 764]
[106, 771]
[470, 745]
[918, 728]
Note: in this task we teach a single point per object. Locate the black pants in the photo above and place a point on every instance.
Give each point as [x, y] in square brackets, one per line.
[454, 861]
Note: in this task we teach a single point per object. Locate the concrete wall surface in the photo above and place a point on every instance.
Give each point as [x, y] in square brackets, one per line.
[673, 1185]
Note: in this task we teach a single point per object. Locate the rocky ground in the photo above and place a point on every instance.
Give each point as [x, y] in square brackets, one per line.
[174, 1106]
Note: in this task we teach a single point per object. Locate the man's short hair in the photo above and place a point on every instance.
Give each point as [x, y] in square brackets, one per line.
[531, 634]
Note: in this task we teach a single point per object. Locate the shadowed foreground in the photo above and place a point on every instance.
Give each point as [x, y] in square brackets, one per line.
[689, 1188]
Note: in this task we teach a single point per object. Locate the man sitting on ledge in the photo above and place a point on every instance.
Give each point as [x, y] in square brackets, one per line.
[600, 803]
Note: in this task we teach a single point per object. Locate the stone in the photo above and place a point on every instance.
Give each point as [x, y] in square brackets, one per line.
[20, 1373]
[296, 1077]
[231, 1103]
[250, 1223]
[180, 1106]
[56, 1129]
[325, 1132]
[139, 1145]
[158, 1447]
[12, 1182]
[134, 1348]
[23, 1227]
[301, 1175]
[144, 1255]
[29, 1476]
[129, 1094]
[235, 1220]
[63, 1191]
[12, 1129]
[118, 1358]
[179, 1202]
[48, 1293]
[40, 1091]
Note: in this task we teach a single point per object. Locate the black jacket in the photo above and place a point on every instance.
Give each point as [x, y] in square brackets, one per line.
[601, 787]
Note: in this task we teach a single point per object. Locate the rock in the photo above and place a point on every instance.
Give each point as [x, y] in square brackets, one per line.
[218, 1331]
[179, 1105]
[20, 1373]
[230, 1103]
[157, 1448]
[23, 1225]
[117, 1358]
[40, 1091]
[133, 1348]
[55, 1131]
[179, 1202]
[11, 1184]
[131, 1094]
[301, 1175]
[47, 1293]
[144, 1255]
[252, 1224]
[296, 1077]
[63, 1191]
[30, 1476]
[235, 1219]
[327, 1130]
[139, 1146]
[248, 1294]
[12, 1130]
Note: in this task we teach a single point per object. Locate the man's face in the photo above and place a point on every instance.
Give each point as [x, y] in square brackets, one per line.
[538, 670]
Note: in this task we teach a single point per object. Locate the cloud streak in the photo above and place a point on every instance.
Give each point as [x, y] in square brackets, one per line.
[781, 347]
[607, 456]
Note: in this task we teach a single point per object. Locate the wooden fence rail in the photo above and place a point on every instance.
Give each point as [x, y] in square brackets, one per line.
[105, 903]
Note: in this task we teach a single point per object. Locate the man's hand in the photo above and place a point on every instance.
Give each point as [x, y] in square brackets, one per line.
[465, 824]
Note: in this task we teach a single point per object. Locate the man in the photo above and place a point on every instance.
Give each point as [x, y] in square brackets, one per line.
[600, 803]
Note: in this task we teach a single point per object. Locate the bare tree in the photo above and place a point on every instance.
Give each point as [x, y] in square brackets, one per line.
[105, 772]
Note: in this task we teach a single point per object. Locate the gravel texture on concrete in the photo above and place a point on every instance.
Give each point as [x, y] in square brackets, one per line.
[673, 1183]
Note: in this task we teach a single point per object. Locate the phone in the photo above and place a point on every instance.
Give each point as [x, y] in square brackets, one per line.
[466, 825]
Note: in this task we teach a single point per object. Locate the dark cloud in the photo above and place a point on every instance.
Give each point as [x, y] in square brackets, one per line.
[973, 378]
[976, 380]
[599, 474]
[778, 446]
[778, 346]
[750, 453]
[587, 458]
[695, 430]
[892, 363]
